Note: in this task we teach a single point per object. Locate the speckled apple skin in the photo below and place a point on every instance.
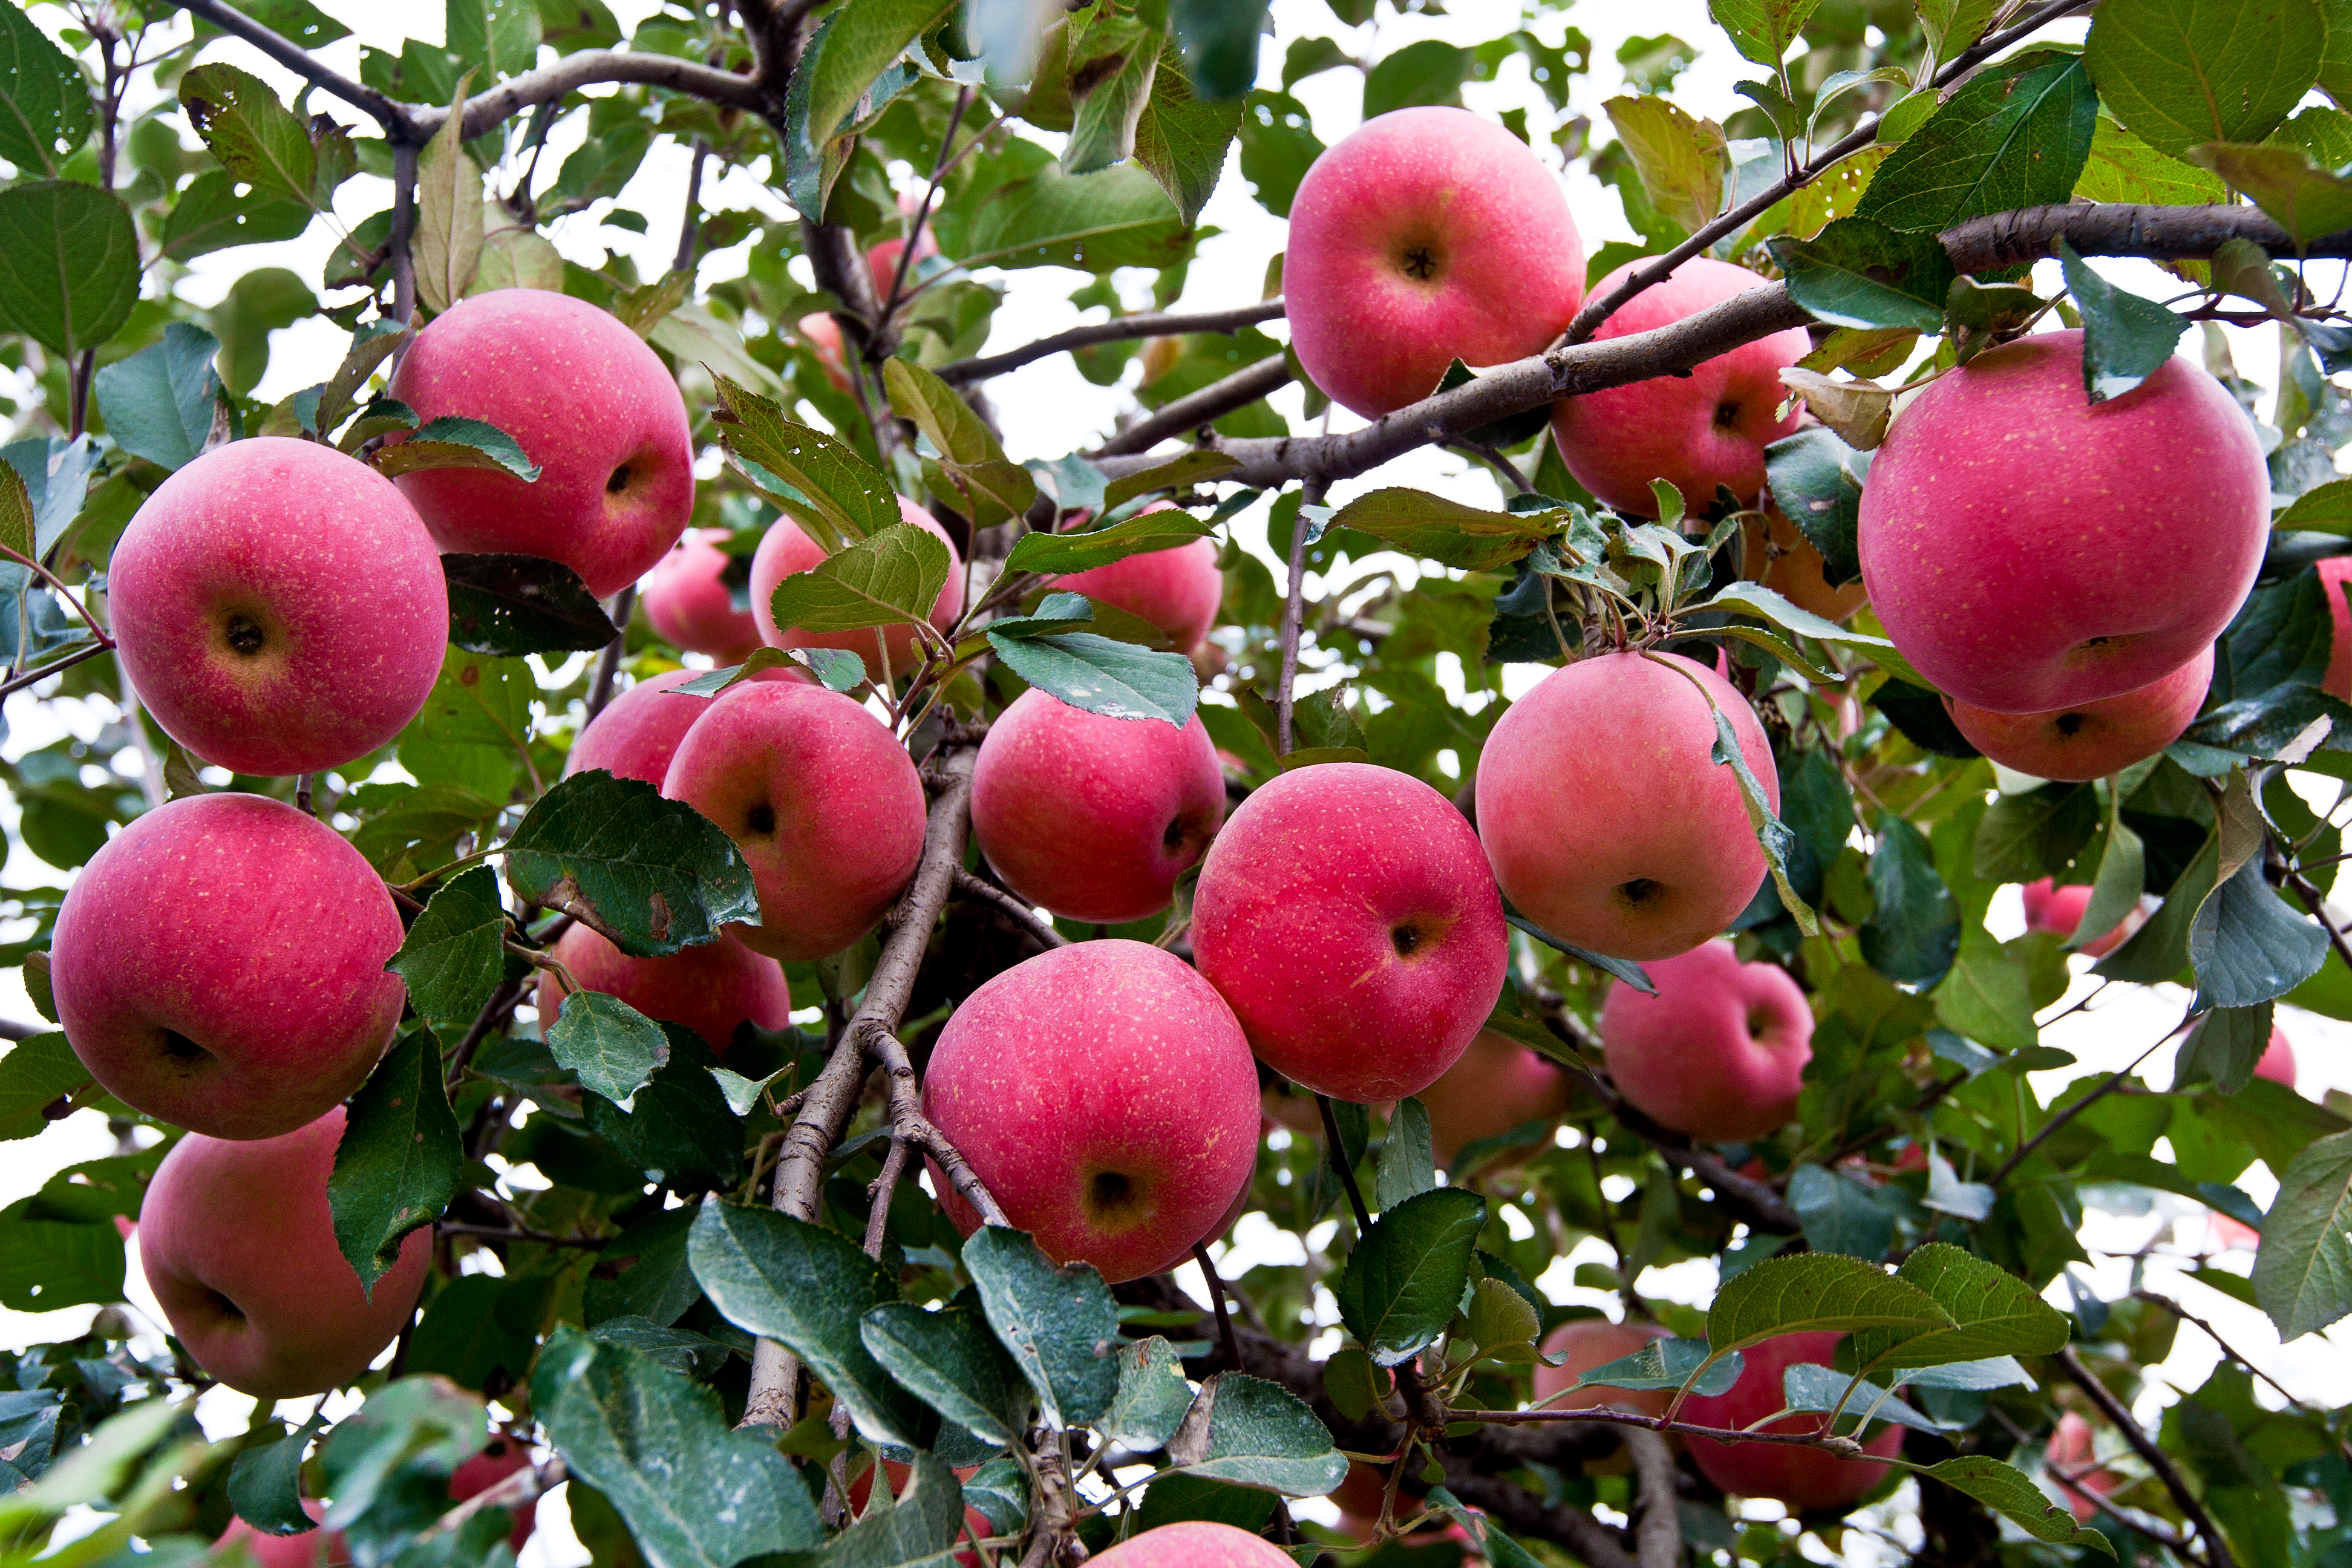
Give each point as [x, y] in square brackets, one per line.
[317, 556]
[1293, 922]
[586, 398]
[1602, 777]
[245, 1227]
[691, 608]
[2049, 907]
[1509, 266]
[1180, 590]
[786, 550]
[709, 988]
[2091, 742]
[2278, 1060]
[255, 931]
[1101, 1059]
[848, 810]
[2030, 551]
[1094, 818]
[1194, 1543]
[638, 731]
[1719, 1053]
[1498, 1084]
[1803, 1479]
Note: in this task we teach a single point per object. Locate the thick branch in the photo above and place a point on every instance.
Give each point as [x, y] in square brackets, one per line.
[397, 119]
[2029, 234]
[486, 110]
[1119, 329]
[1238, 390]
[2217, 1551]
[1657, 1534]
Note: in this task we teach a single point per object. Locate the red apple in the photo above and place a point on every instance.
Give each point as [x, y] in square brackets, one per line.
[638, 731]
[590, 404]
[1427, 235]
[1588, 1342]
[882, 261]
[786, 550]
[2278, 1060]
[1346, 914]
[219, 965]
[821, 798]
[2072, 1446]
[1608, 824]
[279, 607]
[2049, 907]
[312, 1548]
[1802, 1479]
[2030, 551]
[1719, 1053]
[1194, 1543]
[690, 608]
[2096, 738]
[822, 333]
[710, 988]
[1094, 818]
[1180, 590]
[1106, 1098]
[1783, 560]
[1497, 1085]
[2337, 682]
[501, 1457]
[238, 1247]
[1706, 429]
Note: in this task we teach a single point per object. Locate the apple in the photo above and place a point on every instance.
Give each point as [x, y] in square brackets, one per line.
[1705, 428]
[219, 965]
[2030, 550]
[1802, 1479]
[638, 731]
[822, 333]
[1588, 1342]
[501, 1457]
[2278, 1060]
[690, 608]
[1094, 818]
[278, 607]
[1346, 914]
[821, 798]
[312, 1549]
[590, 404]
[1194, 1543]
[1608, 823]
[1719, 1053]
[2332, 573]
[1106, 1098]
[882, 261]
[785, 550]
[2049, 907]
[2093, 740]
[1428, 236]
[2072, 1446]
[1777, 555]
[709, 988]
[1180, 590]
[238, 1247]
[1498, 1084]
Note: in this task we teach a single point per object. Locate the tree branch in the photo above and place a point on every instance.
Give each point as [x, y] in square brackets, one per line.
[395, 118]
[547, 84]
[1238, 390]
[2029, 234]
[1119, 329]
[1022, 914]
[1293, 614]
[1657, 1534]
[2217, 1551]
[530, 1482]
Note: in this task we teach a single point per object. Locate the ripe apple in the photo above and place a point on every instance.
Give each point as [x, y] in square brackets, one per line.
[1091, 816]
[219, 965]
[240, 1249]
[821, 800]
[1588, 1342]
[501, 1457]
[1782, 559]
[1346, 914]
[2093, 740]
[1427, 235]
[1105, 1096]
[690, 608]
[2332, 573]
[1607, 822]
[882, 261]
[1194, 1543]
[312, 1548]
[638, 731]
[590, 404]
[279, 607]
[1180, 590]
[786, 550]
[1706, 429]
[1802, 1479]
[1719, 1053]
[2049, 907]
[710, 988]
[822, 333]
[1497, 1085]
[2278, 1060]
[2071, 1447]
[2030, 550]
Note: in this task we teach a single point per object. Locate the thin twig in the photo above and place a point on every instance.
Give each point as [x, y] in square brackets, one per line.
[1119, 329]
[2217, 1550]
[608, 663]
[56, 666]
[502, 1002]
[2186, 1316]
[988, 892]
[1217, 1299]
[394, 117]
[1293, 606]
[534, 1481]
[689, 228]
[879, 1194]
[2114, 1080]
[923, 211]
[508, 1233]
[1213, 402]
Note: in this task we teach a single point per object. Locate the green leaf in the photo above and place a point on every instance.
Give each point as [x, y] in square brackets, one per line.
[1810, 1386]
[2326, 509]
[950, 1362]
[1404, 1279]
[45, 110]
[38, 1075]
[2006, 1489]
[407, 830]
[1445, 532]
[1043, 218]
[1755, 599]
[2125, 338]
[1762, 30]
[1060, 1324]
[839, 670]
[828, 488]
[1259, 1434]
[69, 264]
[2116, 890]
[46, 1265]
[1279, 147]
[1220, 44]
[2014, 135]
[16, 525]
[1683, 163]
[1498, 1315]
[1814, 481]
[1101, 674]
[615, 1048]
[861, 41]
[500, 35]
[2023, 836]
[1985, 996]
[2124, 169]
[1839, 1215]
[2182, 72]
[158, 404]
[1994, 1313]
[1407, 1167]
[633, 1429]
[1951, 26]
[257, 138]
[1113, 61]
[2248, 946]
[2160, 950]
[1668, 1364]
[1058, 553]
[212, 214]
[451, 442]
[1181, 139]
[265, 1483]
[508, 605]
[448, 243]
[994, 487]
[2307, 199]
[681, 1134]
[2303, 1273]
[1816, 1292]
[1152, 1396]
[807, 1289]
[1860, 273]
[454, 953]
[892, 578]
[399, 1161]
[917, 1529]
[652, 874]
[2222, 1050]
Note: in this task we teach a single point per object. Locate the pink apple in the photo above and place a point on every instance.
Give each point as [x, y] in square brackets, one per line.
[501, 1457]
[638, 731]
[821, 798]
[1803, 1479]
[1588, 1342]
[279, 607]
[709, 988]
[822, 333]
[2030, 551]
[1346, 914]
[1180, 590]
[240, 1249]
[2072, 1446]
[1194, 1543]
[219, 965]
[1428, 236]
[1697, 431]
[1719, 1053]
[2278, 1060]
[2096, 738]
[1783, 560]
[1497, 1085]
[2333, 572]
[786, 550]
[1607, 821]
[882, 261]
[591, 404]
[312, 1548]
[2049, 907]
[1106, 1098]
[1094, 818]
[690, 608]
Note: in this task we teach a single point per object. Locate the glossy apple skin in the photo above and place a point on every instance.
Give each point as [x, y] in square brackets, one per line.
[709, 988]
[240, 1249]
[2278, 1060]
[1588, 1342]
[2071, 1447]
[1498, 1084]
[2049, 907]
[279, 607]
[501, 1457]
[1194, 1543]
[1607, 821]
[2332, 573]
[822, 333]
[2029, 550]
[1427, 235]
[1104, 1095]
[638, 733]
[1094, 818]
[1783, 560]
[1719, 1053]
[219, 965]
[785, 550]
[1180, 590]
[821, 800]
[1698, 431]
[312, 1548]
[2076, 744]
[690, 608]
[1803, 1479]
[1347, 915]
[591, 404]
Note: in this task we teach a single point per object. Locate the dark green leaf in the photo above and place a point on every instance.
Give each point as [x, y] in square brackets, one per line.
[508, 605]
[255, 136]
[264, 1483]
[615, 1048]
[1279, 147]
[158, 404]
[1404, 1279]
[1859, 273]
[37, 1078]
[2006, 1489]
[1815, 479]
[500, 35]
[1101, 674]
[2247, 946]
[835, 495]
[1809, 1386]
[2125, 338]
[916, 1530]
[652, 874]
[451, 442]
[1258, 1434]
[679, 1349]
[1037, 215]
[1057, 553]
[69, 264]
[1060, 1324]
[2014, 135]
[46, 1265]
[1152, 1396]
[1913, 932]
[1987, 995]
[860, 41]
[838, 669]
[1839, 1215]
[1407, 1168]
[1816, 1292]
[891, 578]
[2023, 836]
[1994, 1313]
[1762, 30]
[455, 953]
[2183, 72]
[950, 1362]
[1220, 40]
[45, 113]
[2223, 1048]
[1428, 72]
[399, 1161]
[2303, 1274]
